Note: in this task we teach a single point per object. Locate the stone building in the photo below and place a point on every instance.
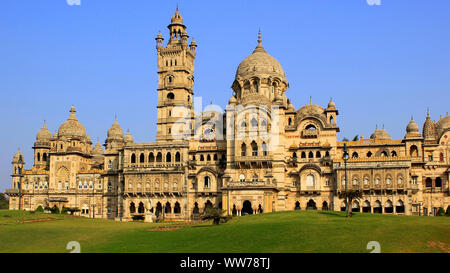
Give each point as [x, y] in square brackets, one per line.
[260, 155]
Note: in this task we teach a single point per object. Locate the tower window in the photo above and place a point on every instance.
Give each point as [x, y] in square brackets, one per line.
[170, 96]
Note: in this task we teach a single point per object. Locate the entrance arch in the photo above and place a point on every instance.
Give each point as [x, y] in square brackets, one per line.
[247, 207]
[311, 205]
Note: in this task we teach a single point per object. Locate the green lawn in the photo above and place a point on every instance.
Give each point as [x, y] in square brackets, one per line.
[293, 231]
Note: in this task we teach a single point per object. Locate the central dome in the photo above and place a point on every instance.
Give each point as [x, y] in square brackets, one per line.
[260, 63]
[72, 127]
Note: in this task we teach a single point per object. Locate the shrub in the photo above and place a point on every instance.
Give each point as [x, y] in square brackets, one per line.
[72, 210]
[441, 212]
[216, 215]
[448, 211]
[64, 210]
[138, 217]
[55, 209]
[39, 209]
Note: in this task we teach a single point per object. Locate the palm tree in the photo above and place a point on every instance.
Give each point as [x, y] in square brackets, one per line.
[350, 195]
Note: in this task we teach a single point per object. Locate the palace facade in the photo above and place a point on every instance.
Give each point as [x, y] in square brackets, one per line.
[260, 155]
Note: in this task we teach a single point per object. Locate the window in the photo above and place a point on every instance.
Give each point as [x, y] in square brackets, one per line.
[366, 181]
[208, 158]
[202, 158]
[141, 158]
[177, 157]
[438, 182]
[100, 185]
[59, 185]
[151, 157]
[294, 183]
[133, 158]
[254, 122]
[311, 127]
[264, 148]
[399, 180]
[303, 155]
[243, 149]
[85, 184]
[318, 155]
[310, 180]
[393, 153]
[369, 154]
[168, 157]
[110, 165]
[290, 121]
[254, 149]
[91, 185]
[388, 181]
[414, 180]
[430, 157]
[355, 155]
[413, 151]
[441, 157]
[310, 155]
[38, 157]
[170, 96]
[355, 182]
[207, 182]
[377, 181]
[327, 182]
[80, 185]
[109, 186]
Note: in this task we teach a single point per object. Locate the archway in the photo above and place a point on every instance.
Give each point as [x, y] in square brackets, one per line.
[132, 208]
[324, 205]
[208, 205]
[234, 211]
[158, 209]
[399, 207]
[196, 210]
[377, 207]
[141, 208]
[177, 208]
[366, 206]
[311, 205]
[297, 205]
[355, 206]
[247, 207]
[260, 209]
[388, 208]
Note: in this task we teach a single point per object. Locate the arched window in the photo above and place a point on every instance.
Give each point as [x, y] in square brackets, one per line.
[132, 208]
[254, 148]
[170, 96]
[311, 127]
[327, 154]
[141, 158]
[393, 153]
[207, 182]
[366, 181]
[441, 157]
[290, 121]
[377, 181]
[310, 155]
[294, 155]
[355, 181]
[369, 154]
[384, 153]
[331, 120]
[355, 155]
[159, 157]
[133, 158]
[264, 148]
[255, 86]
[243, 149]
[38, 157]
[178, 157]
[428, 182]
[243, 124]
[141, 208]
[168, 157]
[202, 158]
[318, 155]
[215, 157]
[168, 208]
[208, 158]
[413, 151]
[399, 180]
[151, 157]
[310, 180]
[254, 122]
[303, 155]
[177, 208]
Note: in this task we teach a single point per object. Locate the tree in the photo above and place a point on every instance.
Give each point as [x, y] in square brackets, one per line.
[356, 138]
[345, 139]
[447, 213]
[441, 212]
[39, 209]
[216, 215]
[350, 195]
[4, 202]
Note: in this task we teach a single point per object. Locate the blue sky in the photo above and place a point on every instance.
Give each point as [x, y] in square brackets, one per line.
[381, 64]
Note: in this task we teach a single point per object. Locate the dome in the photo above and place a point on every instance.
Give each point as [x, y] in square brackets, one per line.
[43, 135]
[380, 134]
[129, 138]
[311, 109]
[412, 127]
[331, 104]
[443, 123]
[97, 150]
[260, 63]
[176, 18]
[115, 132]
[72, 127]
[18, 157]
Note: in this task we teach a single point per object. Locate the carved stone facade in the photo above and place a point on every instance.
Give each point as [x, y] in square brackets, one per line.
[261, 155]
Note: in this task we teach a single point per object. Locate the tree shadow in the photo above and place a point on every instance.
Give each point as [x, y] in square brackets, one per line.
[332, 213]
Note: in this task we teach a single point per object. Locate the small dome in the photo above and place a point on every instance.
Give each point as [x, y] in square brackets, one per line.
[44, 135]
[159, 35]
[380, 134]
[18, 157]
[97, 150]
[260, 64]
[72, 127]
[176, 18]
[232, 100]
[115, 132]
[128, 138]
[310, 109]
[331, 104]
[443, 123]
[412, 127]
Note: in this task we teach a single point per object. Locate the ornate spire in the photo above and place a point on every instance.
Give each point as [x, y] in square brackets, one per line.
[259, 47]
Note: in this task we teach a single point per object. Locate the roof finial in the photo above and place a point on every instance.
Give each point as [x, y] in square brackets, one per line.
[383, 127]
[177, 6]
[310, 100]
[412, 117]
[428, 111]
[376, 127]
[259, 36]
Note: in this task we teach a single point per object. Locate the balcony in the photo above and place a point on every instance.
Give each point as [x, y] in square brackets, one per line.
[11, 192]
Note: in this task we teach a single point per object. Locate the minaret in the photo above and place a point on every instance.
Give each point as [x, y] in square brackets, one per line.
[176, 80]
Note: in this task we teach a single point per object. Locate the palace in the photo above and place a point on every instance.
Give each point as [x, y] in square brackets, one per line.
[260, 155]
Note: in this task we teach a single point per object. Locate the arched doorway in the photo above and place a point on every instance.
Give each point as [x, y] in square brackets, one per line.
[343, 207]
[324, 205]
[132, 208]
[355, 206]
[377, 207]
[208, 205]
[400, 207]
[311, 205]
[141, 208]
[196, 210]
[366, 206]
[158, 209]
[297, 205]
[247, 208]
[234, 211]
[388, 208]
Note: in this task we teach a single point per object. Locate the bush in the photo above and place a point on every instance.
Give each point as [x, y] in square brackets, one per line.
[55, 209]
[448, 211]
[441, 212]
[138, 217]
[64, 210]
[39, 209]
[216, 215]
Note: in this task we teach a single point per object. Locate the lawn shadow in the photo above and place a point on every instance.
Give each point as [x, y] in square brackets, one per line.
[332, 213]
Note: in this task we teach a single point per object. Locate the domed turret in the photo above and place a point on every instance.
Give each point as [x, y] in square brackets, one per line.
[128, 137]
[44, 135]
[97, 150]
[331, 105]
[429, 128]
[177, 18]
[115, 132]
[443, 125]
[380, 134]
[72, 127]
[412, 130]
[18, 157]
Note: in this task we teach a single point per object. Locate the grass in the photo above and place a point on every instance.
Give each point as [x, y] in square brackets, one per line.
[293, 231]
